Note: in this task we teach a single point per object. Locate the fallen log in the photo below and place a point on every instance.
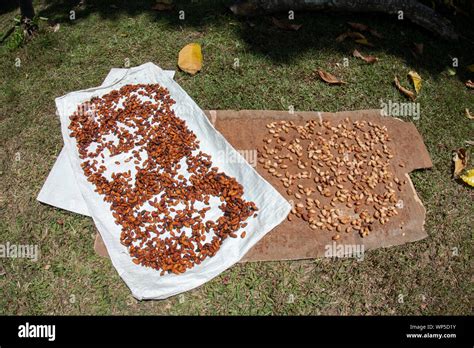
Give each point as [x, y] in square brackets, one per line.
[412, 10]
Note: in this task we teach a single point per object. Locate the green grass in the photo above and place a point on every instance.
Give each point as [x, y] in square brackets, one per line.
[276, 71]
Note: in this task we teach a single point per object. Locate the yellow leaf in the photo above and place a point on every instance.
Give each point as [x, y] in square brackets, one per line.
[364, 42]
[469, 177]
[460, 159]
[416, 80]
[451, 72]
[190, 58]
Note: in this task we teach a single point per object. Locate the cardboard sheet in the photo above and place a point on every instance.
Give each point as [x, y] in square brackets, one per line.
[294, 240]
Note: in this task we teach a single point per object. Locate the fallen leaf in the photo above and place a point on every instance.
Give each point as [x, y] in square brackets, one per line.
[470, 68]
[364, 42]
[163, 5]
[469, 84]
[368, 59]
[190, 58]
[469, 142]
[405, 91]
[357, 54]
[468, 114]
[352, 34]
[416, 79]
[47, 267]
[364, 27]
[56, 28]
[451, 72]
[460, 159]
[469, 177]
[341, 37]
[285, 25]
[358, 26]
[329, 78]
[356, 35]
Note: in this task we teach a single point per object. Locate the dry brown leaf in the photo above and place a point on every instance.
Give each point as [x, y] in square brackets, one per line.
[368, 59]
[460, 159]
[469, 84]
[357, 54]
[190, 58]
[329, 78]
[285, 25]
[352, 34]
[364, 27]
[358, 26]
[405, 91]
[163, 5]
[341, 37]
[468, 114]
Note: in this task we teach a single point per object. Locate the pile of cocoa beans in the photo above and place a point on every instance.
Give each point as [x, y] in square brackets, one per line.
[161, 203]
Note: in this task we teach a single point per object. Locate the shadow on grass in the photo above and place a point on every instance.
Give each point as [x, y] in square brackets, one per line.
[318, 32]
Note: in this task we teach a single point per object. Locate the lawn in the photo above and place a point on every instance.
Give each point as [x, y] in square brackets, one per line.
[276, 70]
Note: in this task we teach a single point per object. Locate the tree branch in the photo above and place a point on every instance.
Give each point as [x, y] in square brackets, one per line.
[412, 10]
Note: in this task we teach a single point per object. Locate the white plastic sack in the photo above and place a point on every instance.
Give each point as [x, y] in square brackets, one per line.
[146, 283]
[60, 189]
